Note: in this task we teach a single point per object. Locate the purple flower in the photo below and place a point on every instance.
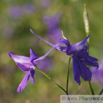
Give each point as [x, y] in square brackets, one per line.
[80, 57]
[52, 21]
[19, 11]
[97, 74]
[45, 64]
[53, 31]
[28, 8]
[45, 3]
[15, 12]
[54, 35]
[27, 64]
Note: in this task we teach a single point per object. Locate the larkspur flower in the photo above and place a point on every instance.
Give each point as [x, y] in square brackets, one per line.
[98, 73]
[27, 64]
[80, 57]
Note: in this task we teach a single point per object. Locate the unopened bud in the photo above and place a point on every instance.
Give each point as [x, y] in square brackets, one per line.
[63, 35]
[86, 20]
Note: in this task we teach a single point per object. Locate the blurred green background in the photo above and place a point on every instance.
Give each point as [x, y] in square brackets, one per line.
[16, 19]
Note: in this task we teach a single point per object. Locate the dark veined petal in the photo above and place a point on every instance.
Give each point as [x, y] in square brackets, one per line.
[22, 62]
[88, 74]
[91, 58]
[76, 70]
[84, 72]
[81, 54]
[90, 63]
[24, 82]
[32, 72]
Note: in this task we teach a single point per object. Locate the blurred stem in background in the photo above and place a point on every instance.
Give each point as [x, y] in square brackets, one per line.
[87, 30]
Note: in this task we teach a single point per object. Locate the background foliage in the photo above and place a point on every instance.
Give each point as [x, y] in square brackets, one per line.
[16, 19]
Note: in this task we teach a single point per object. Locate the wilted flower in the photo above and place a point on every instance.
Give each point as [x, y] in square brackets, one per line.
[80, 57]
[27, 64]
[97, 74]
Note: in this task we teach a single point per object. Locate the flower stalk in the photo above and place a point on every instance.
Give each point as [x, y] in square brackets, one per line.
[87, 30]
[101, 92]
[68, 74]
[51, 79]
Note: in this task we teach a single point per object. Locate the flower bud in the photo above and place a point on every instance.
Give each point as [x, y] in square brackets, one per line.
[86, 20]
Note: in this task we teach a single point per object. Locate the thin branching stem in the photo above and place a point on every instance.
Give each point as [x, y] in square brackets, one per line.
[51, 79]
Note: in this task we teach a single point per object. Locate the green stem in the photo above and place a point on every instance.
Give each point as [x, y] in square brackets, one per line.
[101, 92]
[92, 91]
[68, 75]
[91, 88]
[87, 30]
[51, 79]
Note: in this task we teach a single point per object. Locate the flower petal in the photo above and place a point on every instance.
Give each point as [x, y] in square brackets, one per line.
[88, 75]
[90, 63]
[22, 62]
[83, 42]
[32, 72]
[24, 82]
[56, 46]
[33, 57]
[41, 38]
[83, 71]
[24, 67]
[63, 41]
[35, 61]
[76, 70]
[91, 58]
[78, 46]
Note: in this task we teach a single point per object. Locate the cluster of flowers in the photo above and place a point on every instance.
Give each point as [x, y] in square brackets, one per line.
[78, 52]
